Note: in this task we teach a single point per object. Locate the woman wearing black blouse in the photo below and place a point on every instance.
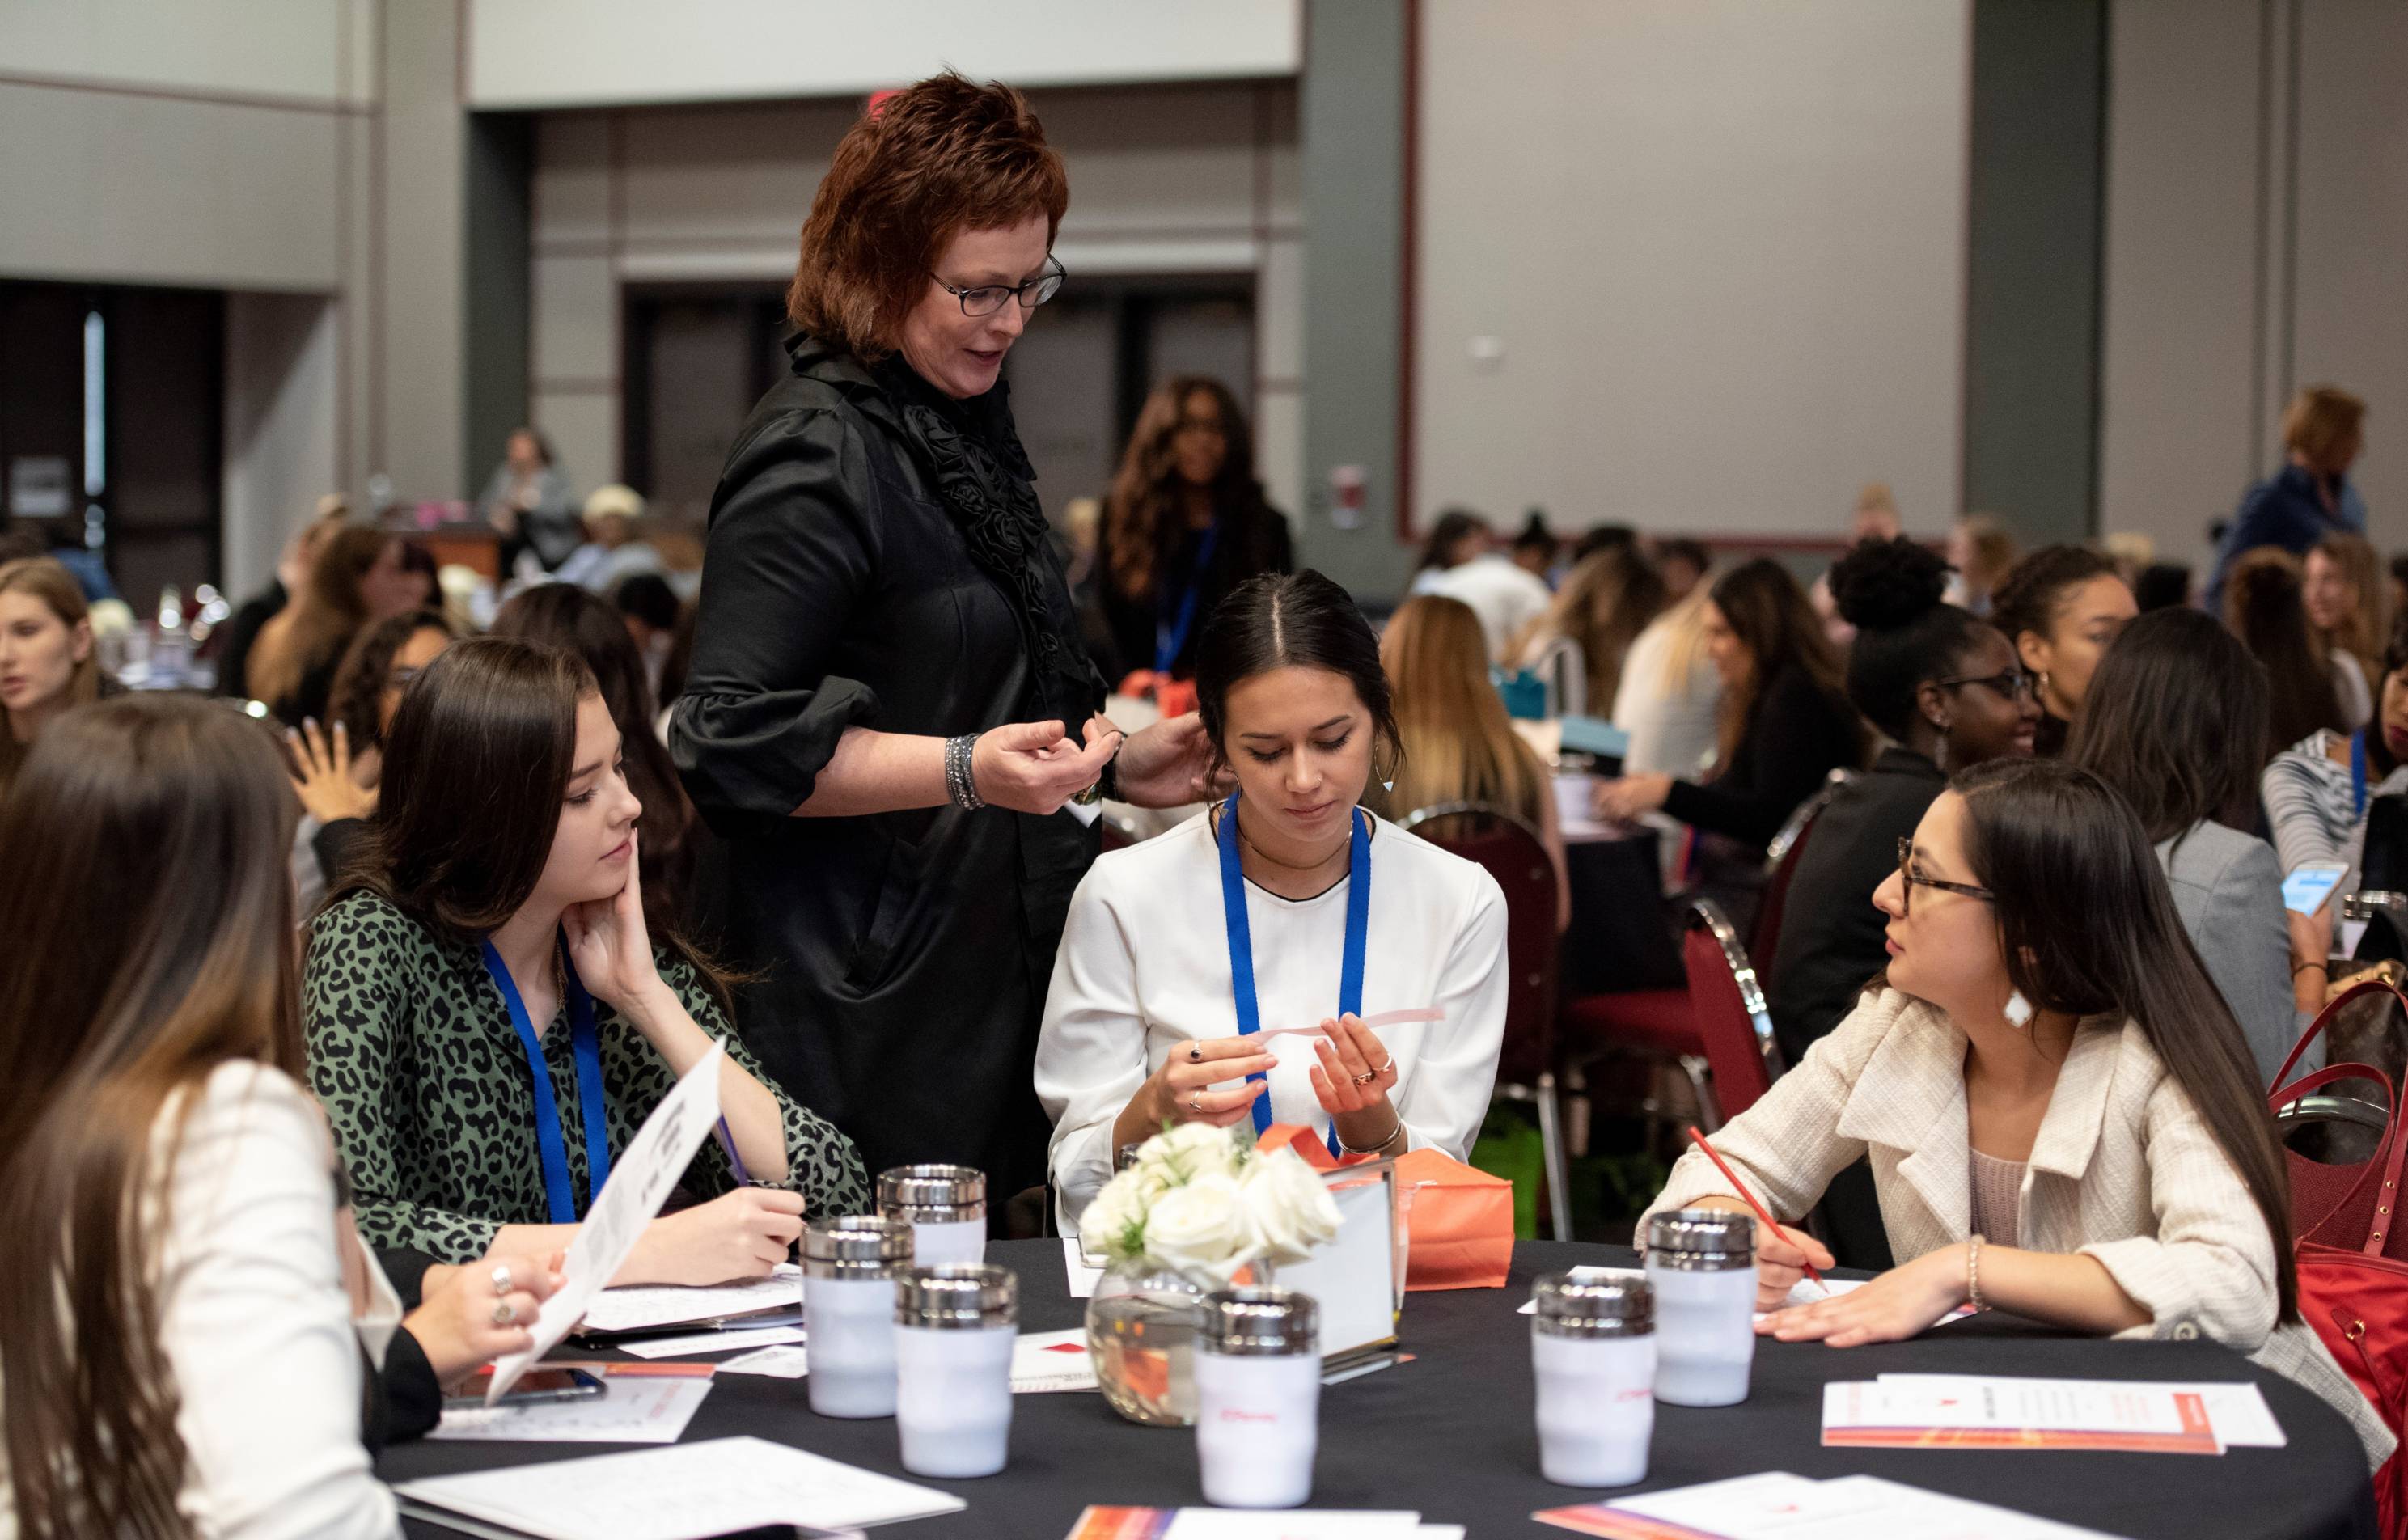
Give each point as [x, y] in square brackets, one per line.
[890, 702]
[1186, 523]
[1786, 725]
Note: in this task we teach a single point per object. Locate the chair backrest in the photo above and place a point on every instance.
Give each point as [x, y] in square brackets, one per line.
[1728, 1005]
[1781, 859]
[1512, 850]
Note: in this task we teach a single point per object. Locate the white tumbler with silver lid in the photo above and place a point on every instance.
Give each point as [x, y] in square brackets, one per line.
[954, 1327]
[1257, 1397]
[849, 1268]
[1593, 1353]
[945, 1206]
[1702, 1262]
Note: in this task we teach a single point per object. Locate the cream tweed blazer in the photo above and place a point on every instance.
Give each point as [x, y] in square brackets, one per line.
[2122, 1170]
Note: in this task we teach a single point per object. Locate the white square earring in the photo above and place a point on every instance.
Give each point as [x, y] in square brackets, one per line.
[2018, 1011]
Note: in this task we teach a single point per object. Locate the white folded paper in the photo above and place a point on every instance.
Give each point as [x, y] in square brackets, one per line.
[2237, 1409]
[645, 1306]
[640, 1180]
[714, 1342]
[1777, 1506]
[683, 1492]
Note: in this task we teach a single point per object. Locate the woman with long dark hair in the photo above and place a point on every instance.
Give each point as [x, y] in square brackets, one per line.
[2062, 606]
[891, 705]
[1313, 892]
[494, 969]
[2062, 1116]
[357, 578]
[1186, 522]
[2266, 607]
[566, 616]
[1786, 722]
[185, 1310]
[2175, 722]
[1577, 648]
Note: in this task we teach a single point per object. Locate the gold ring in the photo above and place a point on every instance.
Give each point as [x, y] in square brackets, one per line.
[1385, 1068]
[505, 1313]
[1367, 1077]
[1195, 1103]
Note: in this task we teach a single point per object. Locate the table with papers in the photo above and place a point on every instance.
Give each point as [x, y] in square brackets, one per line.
[1449, 1436]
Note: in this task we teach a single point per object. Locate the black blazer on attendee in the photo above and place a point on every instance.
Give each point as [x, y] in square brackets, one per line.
[1796, 733]
[1831, 933]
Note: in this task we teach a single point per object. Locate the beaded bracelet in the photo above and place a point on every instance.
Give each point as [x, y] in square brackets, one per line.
[1973, 1273]
[960, 783]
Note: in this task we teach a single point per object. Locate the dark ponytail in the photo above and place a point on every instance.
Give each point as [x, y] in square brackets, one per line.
[2040, 833]
[1297, 621]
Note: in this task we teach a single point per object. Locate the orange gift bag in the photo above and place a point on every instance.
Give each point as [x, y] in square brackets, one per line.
[1458, 1223]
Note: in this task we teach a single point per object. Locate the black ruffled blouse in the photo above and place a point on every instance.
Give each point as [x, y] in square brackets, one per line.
[877, 558]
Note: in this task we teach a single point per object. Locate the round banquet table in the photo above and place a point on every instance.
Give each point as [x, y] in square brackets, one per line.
[1450, 1433]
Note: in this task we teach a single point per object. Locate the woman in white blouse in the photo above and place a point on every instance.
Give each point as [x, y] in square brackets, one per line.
[1245, 965]
[2062, 1115]
[209, 1363]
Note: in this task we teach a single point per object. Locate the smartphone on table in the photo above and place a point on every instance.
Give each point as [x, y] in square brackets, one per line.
[538, 1387]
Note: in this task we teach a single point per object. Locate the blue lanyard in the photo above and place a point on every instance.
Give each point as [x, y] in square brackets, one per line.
[1241, 945]
[559, 1195]
[1169, 633]
[2357, 773]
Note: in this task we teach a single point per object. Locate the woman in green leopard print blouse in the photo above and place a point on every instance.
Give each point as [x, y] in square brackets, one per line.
[503, 851]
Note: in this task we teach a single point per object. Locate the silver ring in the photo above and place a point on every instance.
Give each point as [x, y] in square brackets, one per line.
[505, 1313]
[501, 1280]
[1195, 1103]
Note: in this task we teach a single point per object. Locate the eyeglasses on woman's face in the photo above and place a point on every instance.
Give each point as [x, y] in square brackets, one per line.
[1913, 879]
[2014, 685]
[986, 299]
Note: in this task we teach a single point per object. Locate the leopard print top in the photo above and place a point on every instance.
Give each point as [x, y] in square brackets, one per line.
[424, 1079]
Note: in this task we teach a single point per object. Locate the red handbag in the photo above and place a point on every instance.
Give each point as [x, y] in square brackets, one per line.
[2352, 1258]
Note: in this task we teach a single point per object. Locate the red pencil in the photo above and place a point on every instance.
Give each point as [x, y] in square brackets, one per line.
[1740, 1188]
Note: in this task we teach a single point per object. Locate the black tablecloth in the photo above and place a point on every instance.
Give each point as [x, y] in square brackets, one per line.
[1450, 1432]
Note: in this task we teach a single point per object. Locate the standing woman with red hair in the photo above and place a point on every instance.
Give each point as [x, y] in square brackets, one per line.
[890, 703]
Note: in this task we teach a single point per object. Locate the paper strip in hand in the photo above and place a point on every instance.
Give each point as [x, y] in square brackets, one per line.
[1385, 1019]
[640, 1180]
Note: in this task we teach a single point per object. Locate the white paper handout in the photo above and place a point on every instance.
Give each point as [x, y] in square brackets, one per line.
[2237, 1408]
[1043, 1362]
[1994, 1412]
[776, 1363]
[643, 1306]
[714, 1342]
[1293, 1524]
[683, 1492]
[1082, 1277]
[636, 1409]
[640, 1183]
[1777, 1506]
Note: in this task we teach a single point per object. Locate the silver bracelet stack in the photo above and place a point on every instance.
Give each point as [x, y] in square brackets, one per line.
[960, 784]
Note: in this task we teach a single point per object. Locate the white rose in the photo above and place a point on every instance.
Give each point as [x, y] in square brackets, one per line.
[1105, 1223]
[1288, 1207]
[1181, 1154]
[1199, 1226]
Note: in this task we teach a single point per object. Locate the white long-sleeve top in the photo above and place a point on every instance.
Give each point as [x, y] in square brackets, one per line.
[1144, 969]
[257, 1323]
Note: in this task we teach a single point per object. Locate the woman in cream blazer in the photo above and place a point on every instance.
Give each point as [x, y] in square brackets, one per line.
[2060, 1114]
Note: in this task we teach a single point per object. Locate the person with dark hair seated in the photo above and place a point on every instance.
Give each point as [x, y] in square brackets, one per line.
[2318, 791]
[566, 616]
[1946, 691]
[196, 1340]
[2176, 721]
[2063, 1116]
[649, 609]
[335, 772]
[494, 970]
[1316, 891]
[1786, 725]
[2061, 606]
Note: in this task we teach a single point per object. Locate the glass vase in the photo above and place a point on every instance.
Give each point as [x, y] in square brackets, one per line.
[1142, 1325]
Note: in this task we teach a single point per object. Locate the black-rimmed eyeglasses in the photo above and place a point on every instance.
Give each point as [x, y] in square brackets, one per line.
[2015, 684]
[986, 299]
[1912, 881]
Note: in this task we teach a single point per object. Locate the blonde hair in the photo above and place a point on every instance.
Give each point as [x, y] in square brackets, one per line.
[1606, 601]
[2361, 634]
[57, 589]
[1458, 745]
[2320, 420]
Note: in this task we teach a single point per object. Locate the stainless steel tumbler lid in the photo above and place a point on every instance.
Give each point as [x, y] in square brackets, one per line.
[1259, 1323]
[932, 1193]
[1702, 1240]
[855, 1246]
[1594, 1302]
[958, 1297]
